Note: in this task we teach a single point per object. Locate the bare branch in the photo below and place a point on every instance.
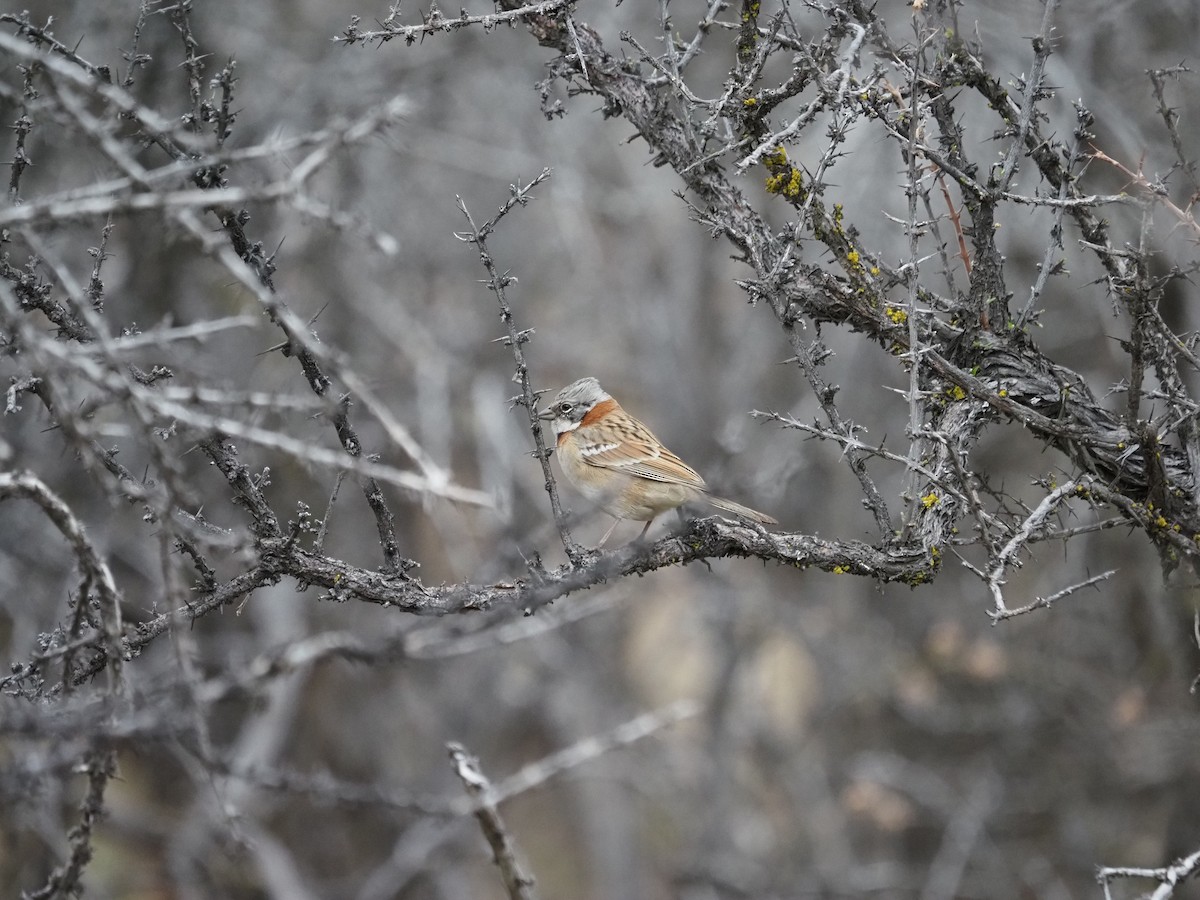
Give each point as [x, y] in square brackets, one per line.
[434, 21]
[498, 282]
[518, 883]
[93, 566]
[1170, 877]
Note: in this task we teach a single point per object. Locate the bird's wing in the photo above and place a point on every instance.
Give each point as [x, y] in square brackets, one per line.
[632, 449]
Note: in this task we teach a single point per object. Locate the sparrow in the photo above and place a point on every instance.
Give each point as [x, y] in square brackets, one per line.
[618, 464]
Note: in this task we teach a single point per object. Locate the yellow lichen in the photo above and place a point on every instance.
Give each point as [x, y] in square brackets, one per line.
[786, 180]
[777, 157]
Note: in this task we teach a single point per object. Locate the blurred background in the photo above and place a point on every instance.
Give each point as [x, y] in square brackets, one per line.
[852, 739]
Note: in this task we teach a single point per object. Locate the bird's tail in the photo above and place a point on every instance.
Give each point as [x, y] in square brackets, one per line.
[744, 512]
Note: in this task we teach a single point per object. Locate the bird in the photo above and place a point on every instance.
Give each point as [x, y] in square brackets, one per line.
[618, 464]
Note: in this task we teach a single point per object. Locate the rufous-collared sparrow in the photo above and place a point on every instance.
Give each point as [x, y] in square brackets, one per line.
[618, 464]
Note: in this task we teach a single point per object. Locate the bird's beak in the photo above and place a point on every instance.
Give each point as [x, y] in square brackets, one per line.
[546, 414]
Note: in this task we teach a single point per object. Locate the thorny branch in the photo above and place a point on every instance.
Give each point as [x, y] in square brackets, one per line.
[515, 339]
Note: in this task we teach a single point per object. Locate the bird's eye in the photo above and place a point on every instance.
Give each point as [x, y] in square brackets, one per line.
[564, 408]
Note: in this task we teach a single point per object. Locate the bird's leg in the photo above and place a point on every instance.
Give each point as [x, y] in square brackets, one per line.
[608, 533]
[645, 528]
